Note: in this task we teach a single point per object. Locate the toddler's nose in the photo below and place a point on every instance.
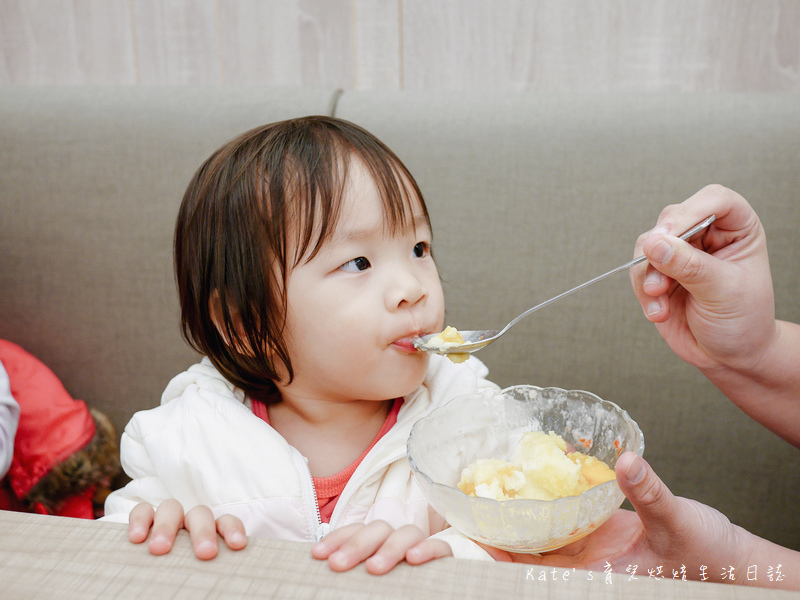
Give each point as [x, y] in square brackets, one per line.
[406, 289]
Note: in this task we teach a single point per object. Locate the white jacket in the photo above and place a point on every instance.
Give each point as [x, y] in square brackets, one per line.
[204, 445]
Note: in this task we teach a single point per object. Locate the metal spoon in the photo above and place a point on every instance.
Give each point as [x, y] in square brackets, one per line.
[480, 338]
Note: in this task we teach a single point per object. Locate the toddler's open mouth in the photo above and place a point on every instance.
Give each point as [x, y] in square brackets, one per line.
[406, 344]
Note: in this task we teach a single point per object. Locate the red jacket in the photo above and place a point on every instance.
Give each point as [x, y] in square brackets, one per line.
[52, 426]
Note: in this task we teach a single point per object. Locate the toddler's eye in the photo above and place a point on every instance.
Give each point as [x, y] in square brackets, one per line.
[422, 249]
[356, 265]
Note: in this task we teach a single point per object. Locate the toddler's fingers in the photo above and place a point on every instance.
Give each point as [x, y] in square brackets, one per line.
[394, 549]
[168, 519]
[334, 540]
[360, 546]
[232, 531]
[139, 522]
[200, 524]
[428, 549]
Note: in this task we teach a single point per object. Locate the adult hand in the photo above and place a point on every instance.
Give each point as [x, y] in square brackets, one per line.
[666, 532]
[713, 302]
[711, 298]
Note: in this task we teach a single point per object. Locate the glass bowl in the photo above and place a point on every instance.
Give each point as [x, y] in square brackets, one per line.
[489, 424]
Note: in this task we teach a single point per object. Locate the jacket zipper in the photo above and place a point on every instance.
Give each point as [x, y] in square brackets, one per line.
[323, 529]
[320, 529]
[350, 489]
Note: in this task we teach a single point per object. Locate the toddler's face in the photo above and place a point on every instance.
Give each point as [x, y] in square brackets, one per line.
[354, 309]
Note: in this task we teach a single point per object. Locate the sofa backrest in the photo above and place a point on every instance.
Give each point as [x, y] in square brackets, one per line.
[90, 184]
[529, 195]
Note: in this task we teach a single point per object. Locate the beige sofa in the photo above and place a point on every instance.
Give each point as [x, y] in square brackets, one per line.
[529, 195]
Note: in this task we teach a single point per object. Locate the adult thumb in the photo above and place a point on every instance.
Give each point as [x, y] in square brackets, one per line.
[675, 258]
[657, 508]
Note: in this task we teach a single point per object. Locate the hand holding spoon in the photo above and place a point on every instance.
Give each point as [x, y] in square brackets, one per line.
[480, 338]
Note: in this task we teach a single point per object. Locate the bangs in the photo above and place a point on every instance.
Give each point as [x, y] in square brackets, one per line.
[319, 176]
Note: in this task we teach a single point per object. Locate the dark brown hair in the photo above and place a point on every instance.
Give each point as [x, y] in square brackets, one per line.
[273, 191]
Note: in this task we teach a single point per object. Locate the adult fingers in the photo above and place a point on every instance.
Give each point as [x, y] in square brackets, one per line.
[673, 262]
[732, 212]
[658, 509]
[653, 281]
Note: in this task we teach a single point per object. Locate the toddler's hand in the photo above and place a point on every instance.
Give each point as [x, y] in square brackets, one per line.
[199, 522]
[379, 546]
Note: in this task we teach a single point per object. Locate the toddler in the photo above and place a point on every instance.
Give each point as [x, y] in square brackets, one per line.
[304, 270]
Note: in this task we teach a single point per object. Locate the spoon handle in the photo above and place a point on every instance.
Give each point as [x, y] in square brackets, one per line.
[684, 236]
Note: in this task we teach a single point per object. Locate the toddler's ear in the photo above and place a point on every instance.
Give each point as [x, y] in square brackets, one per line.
[231, 332]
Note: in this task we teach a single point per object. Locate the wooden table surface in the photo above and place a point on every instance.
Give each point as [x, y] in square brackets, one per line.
[56, 557]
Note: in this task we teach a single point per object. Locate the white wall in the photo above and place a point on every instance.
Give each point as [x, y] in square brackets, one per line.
[542, 45]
